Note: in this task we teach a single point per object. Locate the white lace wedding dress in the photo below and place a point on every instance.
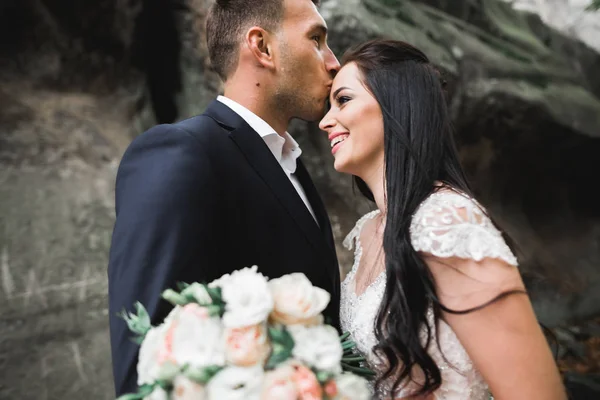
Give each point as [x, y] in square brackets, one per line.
[446, 224]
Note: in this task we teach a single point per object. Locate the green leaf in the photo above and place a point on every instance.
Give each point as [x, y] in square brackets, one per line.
[146, 389]
[168, 371]
[353, 359]
[202, 375]
[282, 344]
[138, 322]
[215, 294]
[130, 396]
[344, 337]
[348, 345]
[182, 286]
[323, 377]
[360, 371]
[143, 316]
[215, 310]
[143, 391]
[174, 298]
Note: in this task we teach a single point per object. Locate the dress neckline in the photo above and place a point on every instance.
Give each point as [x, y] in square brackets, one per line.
[350, 278]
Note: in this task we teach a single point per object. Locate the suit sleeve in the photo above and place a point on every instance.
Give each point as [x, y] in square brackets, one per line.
[166, 201]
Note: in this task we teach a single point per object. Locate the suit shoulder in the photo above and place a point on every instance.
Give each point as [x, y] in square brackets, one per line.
[200, 129]
[204, 128]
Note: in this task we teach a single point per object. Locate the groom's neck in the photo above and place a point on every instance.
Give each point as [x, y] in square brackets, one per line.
[253, 95]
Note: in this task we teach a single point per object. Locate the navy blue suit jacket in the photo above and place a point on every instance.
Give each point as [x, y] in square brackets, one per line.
[201, 198]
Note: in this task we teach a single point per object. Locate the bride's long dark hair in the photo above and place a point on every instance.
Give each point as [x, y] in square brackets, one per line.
[419, 150]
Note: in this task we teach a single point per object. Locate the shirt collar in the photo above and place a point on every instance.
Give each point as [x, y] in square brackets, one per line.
[284, 148]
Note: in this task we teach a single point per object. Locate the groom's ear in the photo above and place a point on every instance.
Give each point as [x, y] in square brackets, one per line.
[260, 43]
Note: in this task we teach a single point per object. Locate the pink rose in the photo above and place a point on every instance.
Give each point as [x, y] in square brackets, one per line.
[331, 389]
[247, 346]
[307, 383]
[279, 384]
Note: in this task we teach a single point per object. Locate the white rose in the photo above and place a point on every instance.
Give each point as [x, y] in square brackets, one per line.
[149, 364]
[248, 300]
[297, 301]
[195, 338]
[158, 394]
[352, 387]
[186, 389]
[236, 383]
[318, 346]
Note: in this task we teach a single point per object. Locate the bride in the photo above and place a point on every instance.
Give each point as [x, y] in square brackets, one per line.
[434, 299]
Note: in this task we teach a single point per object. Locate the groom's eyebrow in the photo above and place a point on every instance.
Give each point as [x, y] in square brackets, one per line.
[320, 28]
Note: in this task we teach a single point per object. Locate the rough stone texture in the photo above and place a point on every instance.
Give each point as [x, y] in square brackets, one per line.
[567, 16]
[79, 79]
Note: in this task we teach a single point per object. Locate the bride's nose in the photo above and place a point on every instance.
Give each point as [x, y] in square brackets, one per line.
[327, 122]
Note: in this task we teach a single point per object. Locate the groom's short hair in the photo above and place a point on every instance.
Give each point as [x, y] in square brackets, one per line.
[226, 22]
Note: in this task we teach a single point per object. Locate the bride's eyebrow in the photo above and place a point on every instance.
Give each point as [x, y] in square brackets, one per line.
[338, 90]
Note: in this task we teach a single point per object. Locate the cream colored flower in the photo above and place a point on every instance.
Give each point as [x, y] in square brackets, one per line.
[318, 346]
[279, 384]
[186, 389]
[297, 301]
[352, 387]
[236, 383]
[247, 346]
[149, 361]
[195, 338]
[248, 300]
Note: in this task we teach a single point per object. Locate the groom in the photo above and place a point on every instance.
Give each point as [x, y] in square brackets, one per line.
[226, 190]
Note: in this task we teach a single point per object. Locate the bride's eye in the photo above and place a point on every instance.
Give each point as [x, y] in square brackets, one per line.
[343, 99]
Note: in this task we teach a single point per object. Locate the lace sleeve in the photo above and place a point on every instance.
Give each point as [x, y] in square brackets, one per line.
[450, 224]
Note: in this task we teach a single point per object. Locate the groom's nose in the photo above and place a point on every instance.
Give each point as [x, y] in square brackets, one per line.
[331, 63]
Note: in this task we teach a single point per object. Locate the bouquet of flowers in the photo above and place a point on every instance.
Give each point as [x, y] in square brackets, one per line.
[243, 336]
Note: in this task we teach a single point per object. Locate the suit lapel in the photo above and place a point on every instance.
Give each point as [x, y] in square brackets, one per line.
[266, 166]
[315, 202]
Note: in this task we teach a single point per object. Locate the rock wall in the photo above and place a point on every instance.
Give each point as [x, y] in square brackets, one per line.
[78, 80]
[568, 16]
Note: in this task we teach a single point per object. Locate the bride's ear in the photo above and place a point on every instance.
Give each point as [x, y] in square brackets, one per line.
[261, 45]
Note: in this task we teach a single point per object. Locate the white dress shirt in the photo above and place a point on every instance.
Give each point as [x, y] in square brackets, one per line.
[284, 148]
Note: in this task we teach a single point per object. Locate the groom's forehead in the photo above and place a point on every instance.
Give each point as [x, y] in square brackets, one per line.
[304, 12]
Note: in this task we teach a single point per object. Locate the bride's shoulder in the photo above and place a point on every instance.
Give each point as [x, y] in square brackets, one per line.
[350, 239]
[452, 223]
[448, 204]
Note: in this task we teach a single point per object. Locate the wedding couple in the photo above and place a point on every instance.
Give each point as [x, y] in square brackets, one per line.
[434, 299]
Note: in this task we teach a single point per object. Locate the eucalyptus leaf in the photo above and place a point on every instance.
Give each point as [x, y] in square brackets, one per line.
[174, 298]
[202, 375]
[138, 322]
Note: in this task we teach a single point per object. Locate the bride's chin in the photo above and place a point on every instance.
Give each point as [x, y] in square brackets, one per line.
[338, 166]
